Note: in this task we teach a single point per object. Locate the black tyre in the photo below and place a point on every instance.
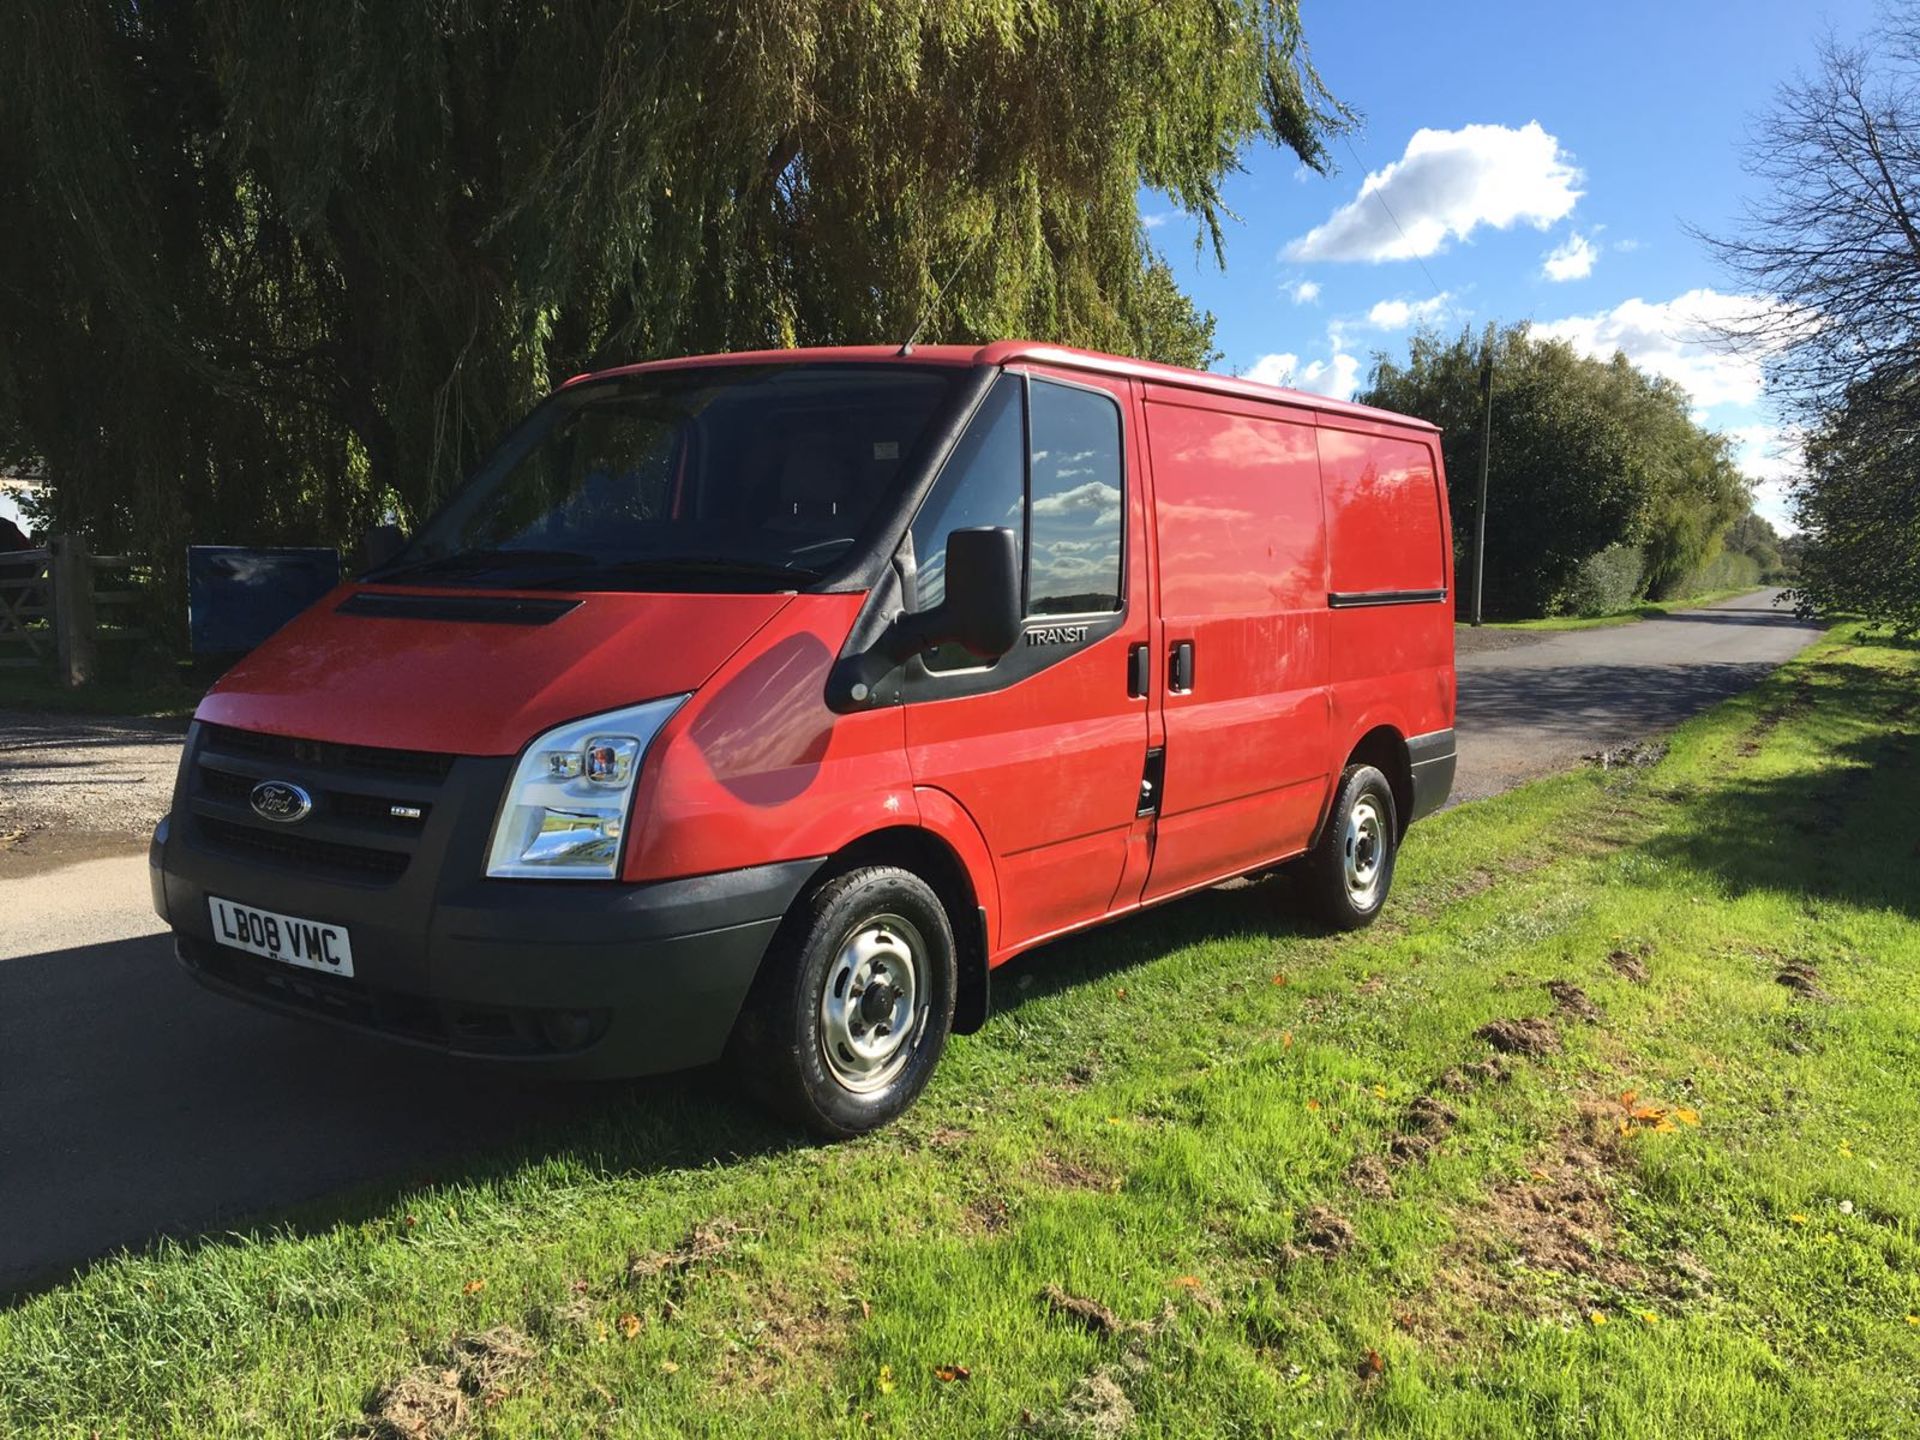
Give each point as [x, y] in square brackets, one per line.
[853, 1005]
[1350, 868]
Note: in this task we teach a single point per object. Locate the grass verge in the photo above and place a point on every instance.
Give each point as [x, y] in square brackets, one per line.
[1606, 1130]
[163, 697]
[1646, 610]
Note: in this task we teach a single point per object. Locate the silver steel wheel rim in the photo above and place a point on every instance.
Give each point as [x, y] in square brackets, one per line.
[871, 1006]
[1366, 850]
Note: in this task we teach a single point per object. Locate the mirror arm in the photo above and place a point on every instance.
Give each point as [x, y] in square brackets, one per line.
[851, 683]
[980, 612]
[908, 634]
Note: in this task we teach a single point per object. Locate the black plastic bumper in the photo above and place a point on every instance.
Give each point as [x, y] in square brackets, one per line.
[578, 978]
[1431, 758]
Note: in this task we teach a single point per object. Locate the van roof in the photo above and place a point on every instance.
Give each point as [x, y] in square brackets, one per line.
[1007, 352]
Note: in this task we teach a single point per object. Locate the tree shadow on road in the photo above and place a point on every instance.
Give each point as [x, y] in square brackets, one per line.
[139, 1106]
[1772, 619]
[1583, 700]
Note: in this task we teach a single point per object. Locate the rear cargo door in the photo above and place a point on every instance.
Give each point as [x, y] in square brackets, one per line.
[1242, 594]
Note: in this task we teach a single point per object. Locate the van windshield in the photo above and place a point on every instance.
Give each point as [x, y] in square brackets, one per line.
[708, 478]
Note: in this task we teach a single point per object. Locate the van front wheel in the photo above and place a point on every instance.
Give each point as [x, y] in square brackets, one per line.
[854, 1003]
[1350, 870]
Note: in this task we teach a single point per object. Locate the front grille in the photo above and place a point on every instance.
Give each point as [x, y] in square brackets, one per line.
[226, 784]
[369, 805]
[287, 848]
[328, 755]
[379, 808]
[231, 785]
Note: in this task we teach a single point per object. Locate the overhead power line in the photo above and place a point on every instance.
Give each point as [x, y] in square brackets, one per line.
[1438, 293]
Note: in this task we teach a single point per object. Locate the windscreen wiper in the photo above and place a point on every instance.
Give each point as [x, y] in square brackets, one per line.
[709, 565]
[476, 562]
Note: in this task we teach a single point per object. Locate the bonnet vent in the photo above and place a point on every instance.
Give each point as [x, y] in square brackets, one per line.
[471, 609]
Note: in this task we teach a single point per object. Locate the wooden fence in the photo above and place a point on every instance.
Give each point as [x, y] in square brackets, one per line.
[58, 604]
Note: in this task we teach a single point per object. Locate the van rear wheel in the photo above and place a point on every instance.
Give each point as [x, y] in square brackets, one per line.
[854, 1003]
[1350, 869]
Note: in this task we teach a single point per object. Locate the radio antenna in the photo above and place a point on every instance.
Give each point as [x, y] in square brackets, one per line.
[926, 315]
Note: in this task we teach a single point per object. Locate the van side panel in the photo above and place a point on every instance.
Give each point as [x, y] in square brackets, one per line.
[1242, 570]
[755, 766]
[1390, 563]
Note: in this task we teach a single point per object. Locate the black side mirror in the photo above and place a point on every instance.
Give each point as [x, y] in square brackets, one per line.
[981, 614]
[981, 611]
[380, 546]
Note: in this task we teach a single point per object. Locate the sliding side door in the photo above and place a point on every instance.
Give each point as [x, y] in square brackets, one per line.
[1243, 599]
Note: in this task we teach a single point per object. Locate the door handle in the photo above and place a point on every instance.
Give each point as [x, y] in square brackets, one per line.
[1138, 672]
[1180, 668]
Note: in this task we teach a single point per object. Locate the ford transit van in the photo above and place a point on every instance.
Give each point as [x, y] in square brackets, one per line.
[759, 706]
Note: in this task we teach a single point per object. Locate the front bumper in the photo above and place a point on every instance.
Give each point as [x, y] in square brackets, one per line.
[573, 977]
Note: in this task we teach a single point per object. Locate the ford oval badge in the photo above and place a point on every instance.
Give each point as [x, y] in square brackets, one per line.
[280, 801]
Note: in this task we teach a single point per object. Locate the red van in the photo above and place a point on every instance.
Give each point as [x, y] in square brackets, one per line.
[761, 705]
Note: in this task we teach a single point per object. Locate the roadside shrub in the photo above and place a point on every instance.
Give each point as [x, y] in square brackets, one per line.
[1604, 583]
[1729, 570]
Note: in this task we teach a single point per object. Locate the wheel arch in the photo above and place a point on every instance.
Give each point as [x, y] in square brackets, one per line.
[929, 855]
[1385, 748]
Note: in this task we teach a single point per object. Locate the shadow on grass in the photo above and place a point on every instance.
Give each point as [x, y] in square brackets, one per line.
[1264, 905]
[1890, 641]
[1842, 829]
[140, 1107]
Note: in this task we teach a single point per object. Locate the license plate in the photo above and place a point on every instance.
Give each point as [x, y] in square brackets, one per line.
[286, 938]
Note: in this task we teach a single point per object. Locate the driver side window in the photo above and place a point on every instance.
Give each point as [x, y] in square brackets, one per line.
[1044, 460]
[982, 483]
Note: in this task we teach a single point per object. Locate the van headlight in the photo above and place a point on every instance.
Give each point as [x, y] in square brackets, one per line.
[567, 807]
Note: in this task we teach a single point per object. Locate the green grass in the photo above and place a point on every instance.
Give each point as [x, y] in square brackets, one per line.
[1645, 610]
[1149, 1121]
[157, 696]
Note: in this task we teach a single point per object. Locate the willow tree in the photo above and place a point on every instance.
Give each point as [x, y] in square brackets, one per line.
[267, 271]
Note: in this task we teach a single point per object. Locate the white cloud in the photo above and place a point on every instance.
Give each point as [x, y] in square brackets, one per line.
[1305, 293]
[1446, 185]
[1273, 369]
[1772, 457]
[1677, 338]
[1337, 376]
[1089, 496]
[1767, 453]
[1571, 259]
[1399, 314]
[1156, 219]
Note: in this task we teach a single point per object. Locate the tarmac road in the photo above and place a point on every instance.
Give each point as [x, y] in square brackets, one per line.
[1532, 702]
[133, 1104]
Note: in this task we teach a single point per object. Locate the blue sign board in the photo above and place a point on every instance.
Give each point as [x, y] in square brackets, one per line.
[238, 595]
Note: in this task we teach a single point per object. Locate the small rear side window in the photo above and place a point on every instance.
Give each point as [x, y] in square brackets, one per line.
[1075, 491]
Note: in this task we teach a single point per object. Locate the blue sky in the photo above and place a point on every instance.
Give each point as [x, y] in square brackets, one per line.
[1545, 161]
